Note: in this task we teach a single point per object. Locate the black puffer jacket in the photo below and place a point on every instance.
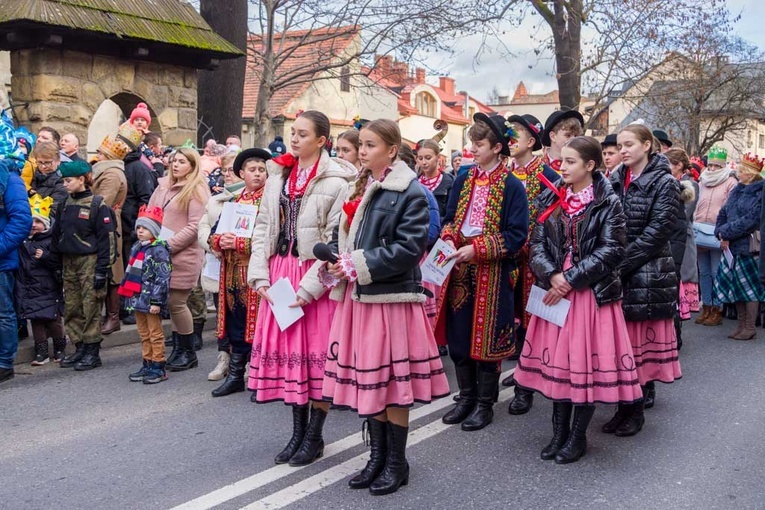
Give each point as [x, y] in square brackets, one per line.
[651, 206]
[387, 239]
[600, 244]
[49, 185]
[38, 293]
[140, 185]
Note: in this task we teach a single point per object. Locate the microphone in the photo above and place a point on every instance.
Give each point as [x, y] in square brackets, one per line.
[322, 252]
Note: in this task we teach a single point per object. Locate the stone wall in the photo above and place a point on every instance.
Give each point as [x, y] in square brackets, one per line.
[63, 89]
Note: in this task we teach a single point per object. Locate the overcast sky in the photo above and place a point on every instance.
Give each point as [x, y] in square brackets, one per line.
[496, 69]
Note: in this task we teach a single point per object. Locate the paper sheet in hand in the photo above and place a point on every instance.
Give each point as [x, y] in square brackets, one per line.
[728, 256]
[212, 267]
[435, 268]
[239, 219]
[555, 314]
[283, 295]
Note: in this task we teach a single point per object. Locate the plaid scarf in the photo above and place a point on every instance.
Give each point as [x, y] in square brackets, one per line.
[131, 284]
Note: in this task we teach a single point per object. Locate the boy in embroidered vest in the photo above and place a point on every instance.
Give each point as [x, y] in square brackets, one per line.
[560, 127]
[146, 287]
[487, 220]
[532, 172]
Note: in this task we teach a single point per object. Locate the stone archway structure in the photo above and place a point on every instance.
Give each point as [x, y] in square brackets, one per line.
[68, 57]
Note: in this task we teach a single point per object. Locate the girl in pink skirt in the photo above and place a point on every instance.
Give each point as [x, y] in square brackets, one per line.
[300, 207]
[650, 197]
[382, 354]
[574, 252]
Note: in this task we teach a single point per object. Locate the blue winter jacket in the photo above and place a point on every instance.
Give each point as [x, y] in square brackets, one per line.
[15, 218]
[434, 232]
[740, 216]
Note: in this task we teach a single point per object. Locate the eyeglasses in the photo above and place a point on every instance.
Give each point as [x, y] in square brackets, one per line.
[226, 170]
[45, 163]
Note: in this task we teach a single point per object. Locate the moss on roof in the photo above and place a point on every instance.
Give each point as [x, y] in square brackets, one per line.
[173, 22]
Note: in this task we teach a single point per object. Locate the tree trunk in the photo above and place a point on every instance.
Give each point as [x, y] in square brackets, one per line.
[262, 107]
[567, 28]
[220, 92]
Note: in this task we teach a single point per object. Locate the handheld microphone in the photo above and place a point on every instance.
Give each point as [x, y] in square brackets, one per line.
[322, 252]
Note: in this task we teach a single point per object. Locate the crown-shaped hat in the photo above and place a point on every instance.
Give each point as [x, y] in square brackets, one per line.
[114, 148]
[718, 155]
[130, 135]
[752, 162]
[40, 206]
[152, 213]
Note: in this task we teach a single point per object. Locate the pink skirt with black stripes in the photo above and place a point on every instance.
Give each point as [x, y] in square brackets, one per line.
[382, 355]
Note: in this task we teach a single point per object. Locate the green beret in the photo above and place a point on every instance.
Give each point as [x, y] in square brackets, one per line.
[74, 168]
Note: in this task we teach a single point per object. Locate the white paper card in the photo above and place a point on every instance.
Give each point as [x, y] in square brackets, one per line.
[728, 257]
[555, 314]
[165, 234]
[283, 295]
[238, 219]
[435, 268]
[212, 267]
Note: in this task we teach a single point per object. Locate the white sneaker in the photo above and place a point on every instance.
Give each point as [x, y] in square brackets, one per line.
[221, 369]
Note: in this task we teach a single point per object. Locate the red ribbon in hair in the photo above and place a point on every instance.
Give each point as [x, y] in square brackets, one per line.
[560, 193]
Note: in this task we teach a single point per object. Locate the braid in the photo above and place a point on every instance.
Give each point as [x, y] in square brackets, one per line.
[361, 184]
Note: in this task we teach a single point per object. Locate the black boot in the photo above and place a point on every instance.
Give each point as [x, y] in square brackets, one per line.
[59, 346]
[466, 380]
[634, 423]
[396, 470]
[522, 401]
[623, 411]
[199, 327]
[509, 380]
[42, 355]
[75, 357]
[483, 413]
[91, 359]
[299, 424]
[234, 382]
[649, 394]
[312, 447]
[186, 358]
[170, 340]
[378, 443]
[576, 445]
[561, 420]
[176, 348]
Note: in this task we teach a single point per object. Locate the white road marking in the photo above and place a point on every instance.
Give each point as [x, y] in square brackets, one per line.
[263, 478]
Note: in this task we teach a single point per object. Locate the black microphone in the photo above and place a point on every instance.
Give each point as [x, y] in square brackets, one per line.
[322, 252]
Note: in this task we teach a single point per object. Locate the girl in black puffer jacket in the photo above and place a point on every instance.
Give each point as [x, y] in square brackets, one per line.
[651, 199]
[39, 292]
[575, 250]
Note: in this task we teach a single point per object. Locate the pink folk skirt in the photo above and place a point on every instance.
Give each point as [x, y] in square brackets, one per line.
[289, 365]
[654, 344]
[588, 360]
[380, 356]
[689, 299]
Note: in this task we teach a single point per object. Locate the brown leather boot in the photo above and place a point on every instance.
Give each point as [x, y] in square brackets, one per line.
[112, 322]
[715, 317]
[741, 313]
[750, 330]
[704, 314]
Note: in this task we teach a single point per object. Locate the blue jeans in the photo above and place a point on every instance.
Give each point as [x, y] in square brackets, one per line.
[709, 261]
[9, 333]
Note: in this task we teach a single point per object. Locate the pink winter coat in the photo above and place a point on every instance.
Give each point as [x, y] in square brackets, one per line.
[185, 253]
[711, 200]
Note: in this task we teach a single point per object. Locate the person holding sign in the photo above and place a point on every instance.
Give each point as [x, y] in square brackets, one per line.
[487, 222]
[301, 207]
[575, 250]
[382, 353]
[244, 182]
[182, 196]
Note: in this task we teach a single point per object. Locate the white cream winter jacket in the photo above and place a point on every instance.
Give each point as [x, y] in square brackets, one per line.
[319, 214]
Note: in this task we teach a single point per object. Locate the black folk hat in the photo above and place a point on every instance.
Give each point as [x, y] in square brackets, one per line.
[663, 137]
[533, 126]
[500, 126]
[609, 141]
[557, 117]
[247, 154]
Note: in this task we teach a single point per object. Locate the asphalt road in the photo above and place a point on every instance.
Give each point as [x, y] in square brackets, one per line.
[95, 440]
